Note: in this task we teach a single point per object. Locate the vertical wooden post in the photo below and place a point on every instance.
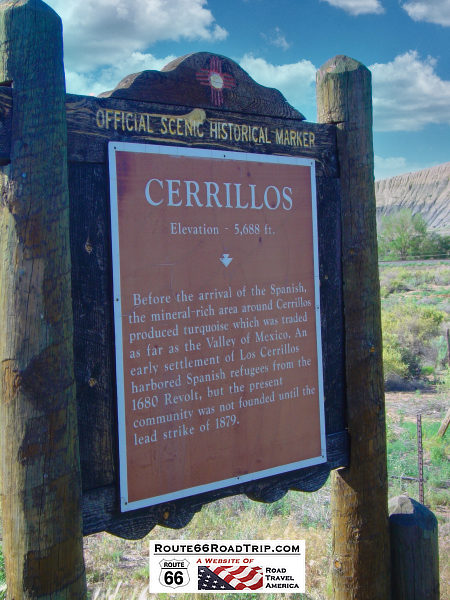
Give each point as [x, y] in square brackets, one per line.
[39, 477]
[444, 425]
[415, 552]
[359, 493]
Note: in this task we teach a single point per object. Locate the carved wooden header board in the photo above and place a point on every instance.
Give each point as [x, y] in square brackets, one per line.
[206, 141]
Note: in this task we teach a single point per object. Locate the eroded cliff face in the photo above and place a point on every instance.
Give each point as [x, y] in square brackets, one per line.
[426, 192]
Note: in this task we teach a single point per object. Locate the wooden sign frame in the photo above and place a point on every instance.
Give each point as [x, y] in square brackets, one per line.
[180, 107]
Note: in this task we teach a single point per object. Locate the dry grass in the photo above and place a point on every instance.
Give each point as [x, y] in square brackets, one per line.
[111, 561]
[118, 569]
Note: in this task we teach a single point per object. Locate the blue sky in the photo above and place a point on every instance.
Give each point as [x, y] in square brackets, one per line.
[281, 43]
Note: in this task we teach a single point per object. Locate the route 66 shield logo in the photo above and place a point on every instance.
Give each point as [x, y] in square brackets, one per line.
[174, 572]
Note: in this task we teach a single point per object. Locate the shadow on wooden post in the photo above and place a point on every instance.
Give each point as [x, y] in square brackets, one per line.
[40, 479]
[359, 493]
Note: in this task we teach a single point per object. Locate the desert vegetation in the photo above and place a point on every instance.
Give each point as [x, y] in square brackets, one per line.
[415, 319]
[415, 316]
[403, 235]
[415, 311]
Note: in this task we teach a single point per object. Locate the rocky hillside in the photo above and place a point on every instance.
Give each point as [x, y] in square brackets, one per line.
[426, 192]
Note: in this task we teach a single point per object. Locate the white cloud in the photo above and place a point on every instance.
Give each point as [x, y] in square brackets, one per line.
[106, 78]
[277, 38]
[358, 7]
[408, 94]
[389, 166]
[102, 32]
[432, 11]
[296, 81]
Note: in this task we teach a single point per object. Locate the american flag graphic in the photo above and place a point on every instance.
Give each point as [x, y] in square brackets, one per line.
[230, 577]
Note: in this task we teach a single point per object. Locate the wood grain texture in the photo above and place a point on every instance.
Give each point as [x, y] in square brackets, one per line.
[331, 301]
[186, 80]
[93, 322]
[414, 549]
[40, 477]
[359, 493]
[101, 507]
[92, 306]
[5, 123]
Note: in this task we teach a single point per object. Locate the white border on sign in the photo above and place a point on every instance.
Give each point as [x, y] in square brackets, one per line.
[213, 154]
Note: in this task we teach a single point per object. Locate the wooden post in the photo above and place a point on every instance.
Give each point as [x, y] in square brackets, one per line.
[444, 425]
[414, 549]
[39, 477]
[359, 493]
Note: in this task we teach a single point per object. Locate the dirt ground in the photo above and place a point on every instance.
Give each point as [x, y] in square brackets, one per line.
[428, 404]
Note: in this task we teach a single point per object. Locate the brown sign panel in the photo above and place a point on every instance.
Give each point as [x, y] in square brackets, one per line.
[217, 318]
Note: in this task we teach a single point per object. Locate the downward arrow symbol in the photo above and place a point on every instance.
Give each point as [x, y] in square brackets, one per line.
[225, 259]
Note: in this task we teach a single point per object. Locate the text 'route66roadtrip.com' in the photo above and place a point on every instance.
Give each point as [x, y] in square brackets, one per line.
[258, 566]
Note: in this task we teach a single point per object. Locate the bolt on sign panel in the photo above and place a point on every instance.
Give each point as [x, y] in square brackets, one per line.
[217, 319]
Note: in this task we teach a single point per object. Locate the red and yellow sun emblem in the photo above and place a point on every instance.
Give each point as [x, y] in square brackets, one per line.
[216, 80]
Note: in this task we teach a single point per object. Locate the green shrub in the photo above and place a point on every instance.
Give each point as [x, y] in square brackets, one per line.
[404, 235]
[443, 386]
[408, 330]
[2, 568]
[393, 363]
[394, 280]
[428, 371]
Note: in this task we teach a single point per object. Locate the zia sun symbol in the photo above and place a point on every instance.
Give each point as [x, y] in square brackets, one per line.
[215, 79]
